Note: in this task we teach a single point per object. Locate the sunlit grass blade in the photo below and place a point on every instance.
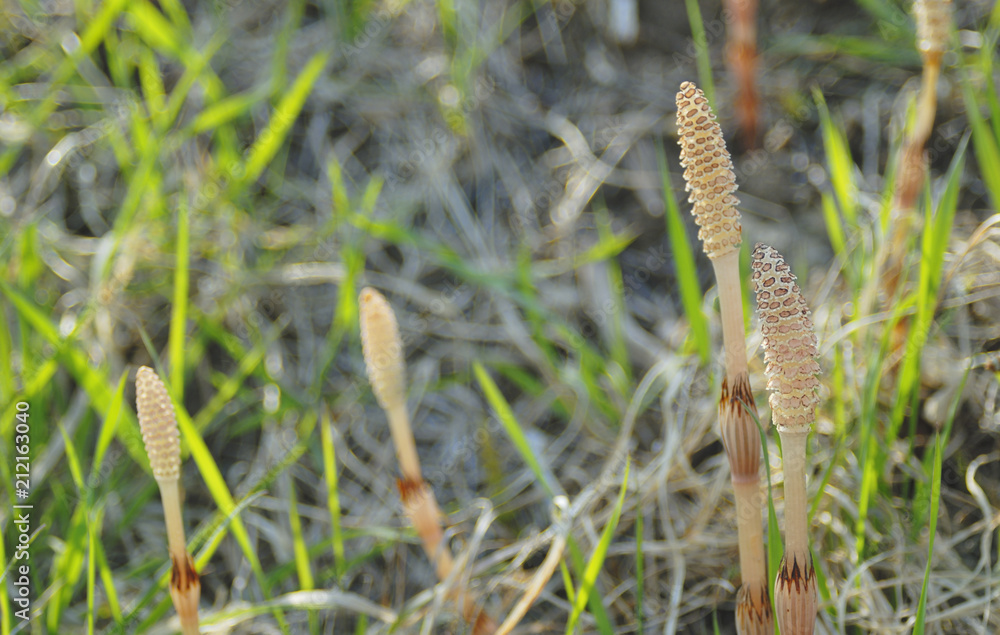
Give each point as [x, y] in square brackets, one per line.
[931, 463]
[869, 452]
[266, 146]
[596, 561]
[513, 428]
[333, 493]
[94, 520]
[109, 423]
[839, 162]
[68, 566]
[107, 580]
[303, 568]
[775, 547]
[684, 262]
[702, 58]
[224, 111]
[93, 34]
[937, 231]
[279, 61]
[935, 499]
[984, 142]
[93, 380]
[178, 314]
[640, 569]
[155, 29]
[151, 80]
[219, 491]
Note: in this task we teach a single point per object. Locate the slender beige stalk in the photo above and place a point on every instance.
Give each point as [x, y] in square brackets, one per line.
[933, 26]
[790, 357]
[386, 365]
[708, 172]
[162, 440]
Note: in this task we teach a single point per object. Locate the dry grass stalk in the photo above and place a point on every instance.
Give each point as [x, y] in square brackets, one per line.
[162, 440]
[708, 172]
[386, 365]
[790, 356]
[545, 570]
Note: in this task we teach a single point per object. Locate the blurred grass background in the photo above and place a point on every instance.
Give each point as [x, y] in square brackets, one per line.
[206, 186]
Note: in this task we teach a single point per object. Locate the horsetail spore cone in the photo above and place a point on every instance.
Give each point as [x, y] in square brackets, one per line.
[158, 424]
[708, 172]
[790, 353]
[162, 440]
[789, 342]
[383, 350]
[933, 25]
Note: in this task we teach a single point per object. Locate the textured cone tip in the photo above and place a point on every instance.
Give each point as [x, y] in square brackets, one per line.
[158, 424]
[383, 349]
[708, 172]
[933, 24]
[789, 341]
[795, 602]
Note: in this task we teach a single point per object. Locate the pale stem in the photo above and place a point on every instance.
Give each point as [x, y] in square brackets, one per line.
[793, 450]
[185, 598]
[426, 518]
[402, 437]
[751, 537]
[927, 105]
[170, 494]
[727, 275]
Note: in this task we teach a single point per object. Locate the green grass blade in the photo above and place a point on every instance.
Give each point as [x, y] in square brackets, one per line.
[155, 29]
[178, 316]
[107, 580]
[217, 487]
[224, 112]
[302, 566]
[109, 424]
[775, 548]
[512, 426]
[684, 262]
[333, 494]
[93, 380]
[266, 146]
[596, 561]
[704, 62]
[151, 80]
[93, 523]
[983, 141]
[513, 429]
[937, 231]
[839, 161]
[935, 499]
[640, 566]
